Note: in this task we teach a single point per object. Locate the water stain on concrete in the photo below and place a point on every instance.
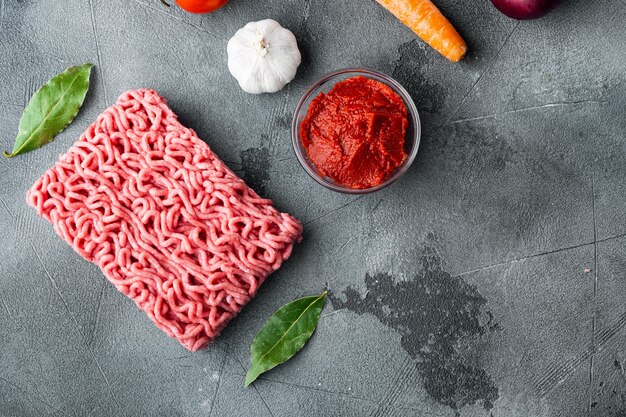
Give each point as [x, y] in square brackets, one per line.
[255, 165]
[428, 97]
[438, 317]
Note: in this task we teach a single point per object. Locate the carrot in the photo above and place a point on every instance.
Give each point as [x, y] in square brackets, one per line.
[425, 19]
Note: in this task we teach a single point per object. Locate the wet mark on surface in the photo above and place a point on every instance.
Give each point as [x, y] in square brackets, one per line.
[439, 318]
[255, 164]
[428, 97]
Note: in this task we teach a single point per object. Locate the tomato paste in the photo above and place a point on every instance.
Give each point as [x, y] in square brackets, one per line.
[354, 134]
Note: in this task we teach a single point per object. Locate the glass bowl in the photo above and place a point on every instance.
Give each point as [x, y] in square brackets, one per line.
[323, 85]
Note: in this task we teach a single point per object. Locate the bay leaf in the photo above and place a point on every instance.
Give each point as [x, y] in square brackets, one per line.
[51, 109]
[284, 334]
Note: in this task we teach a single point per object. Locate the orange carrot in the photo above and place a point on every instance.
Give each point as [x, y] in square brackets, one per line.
[425, 19]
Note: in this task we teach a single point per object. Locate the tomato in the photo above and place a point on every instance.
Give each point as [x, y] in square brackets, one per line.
[201, 6]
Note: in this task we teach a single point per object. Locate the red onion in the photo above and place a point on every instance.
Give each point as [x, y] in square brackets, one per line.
[525, 9]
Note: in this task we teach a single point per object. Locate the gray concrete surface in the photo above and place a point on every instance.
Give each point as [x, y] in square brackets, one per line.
[489, 281]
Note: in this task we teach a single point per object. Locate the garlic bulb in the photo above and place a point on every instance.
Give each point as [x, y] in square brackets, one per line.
[263, 56]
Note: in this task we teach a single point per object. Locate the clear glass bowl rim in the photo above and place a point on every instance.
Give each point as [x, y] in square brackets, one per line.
[414, 120]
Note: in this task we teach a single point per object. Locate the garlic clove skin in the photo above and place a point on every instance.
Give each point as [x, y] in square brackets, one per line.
[263, 57]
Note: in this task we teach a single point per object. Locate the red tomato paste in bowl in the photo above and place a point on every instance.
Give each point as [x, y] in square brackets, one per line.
[355, 133]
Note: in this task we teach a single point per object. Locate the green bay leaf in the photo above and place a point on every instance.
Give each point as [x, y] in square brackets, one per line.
[284, 334]
[51, 109]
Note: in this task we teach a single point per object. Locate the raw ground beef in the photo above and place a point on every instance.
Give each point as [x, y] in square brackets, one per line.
[167, 222]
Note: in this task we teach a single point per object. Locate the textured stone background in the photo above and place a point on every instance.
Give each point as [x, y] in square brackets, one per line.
[489, 281]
